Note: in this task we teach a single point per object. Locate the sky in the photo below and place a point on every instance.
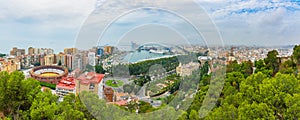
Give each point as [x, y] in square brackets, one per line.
[58, 24]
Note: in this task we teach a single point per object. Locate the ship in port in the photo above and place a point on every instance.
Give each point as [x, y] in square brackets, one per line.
[155, 48]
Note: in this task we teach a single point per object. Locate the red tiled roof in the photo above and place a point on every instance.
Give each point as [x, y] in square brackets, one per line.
[66, 83]
[90, 77]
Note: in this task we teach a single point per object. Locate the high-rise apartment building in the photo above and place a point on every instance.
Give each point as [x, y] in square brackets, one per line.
[61, 59]
[108, 49]
[92, 58]
[17, 52]
[50, 59]
[69, 61]
[40, 51]
[77, 62]
[70, 51]
[30, 51]
[100, 51]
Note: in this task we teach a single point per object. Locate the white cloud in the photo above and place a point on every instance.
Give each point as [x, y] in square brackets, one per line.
[221, 8]
[42, 22]
[273, 18]
[64, 13]
[256, 22]
[46, 8]
[108, 11]
[47, 17]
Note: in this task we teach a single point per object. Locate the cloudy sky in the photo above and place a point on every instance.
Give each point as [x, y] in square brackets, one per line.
[56, 23]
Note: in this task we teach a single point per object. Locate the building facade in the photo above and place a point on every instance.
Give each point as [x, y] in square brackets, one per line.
[92, 58]
[61, 58]
[30, 51]
[69, 61]
[9, 64]
[108, 49]
[187, 69]
[17, 52]
[109, 94]
[77, 62]
[100, 51]
[91, 82]
[50, 59]
[65, 86]
[70, 51]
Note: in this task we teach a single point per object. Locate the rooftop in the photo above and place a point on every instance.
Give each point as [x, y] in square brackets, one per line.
[122, 95]
[121, 103]
[90, 77]
[66, 83]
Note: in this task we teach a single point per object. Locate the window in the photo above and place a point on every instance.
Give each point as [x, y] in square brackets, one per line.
[92, 86]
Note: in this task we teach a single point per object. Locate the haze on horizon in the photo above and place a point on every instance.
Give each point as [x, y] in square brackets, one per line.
[48, 24]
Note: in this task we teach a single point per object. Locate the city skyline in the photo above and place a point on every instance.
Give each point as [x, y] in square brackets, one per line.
[149, 59]
[47, 24]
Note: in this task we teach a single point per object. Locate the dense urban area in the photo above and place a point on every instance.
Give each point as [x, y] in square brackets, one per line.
[150, 81]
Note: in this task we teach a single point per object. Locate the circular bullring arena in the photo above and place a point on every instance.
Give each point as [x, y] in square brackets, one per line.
[49, 74]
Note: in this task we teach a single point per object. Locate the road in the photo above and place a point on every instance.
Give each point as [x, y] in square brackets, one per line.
[142, 91]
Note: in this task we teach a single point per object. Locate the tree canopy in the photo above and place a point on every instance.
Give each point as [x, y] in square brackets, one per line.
[272, 92]
[296, 54]
[23, 99]
[99, 69]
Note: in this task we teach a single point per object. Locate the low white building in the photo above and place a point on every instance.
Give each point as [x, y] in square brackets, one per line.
[65, 86]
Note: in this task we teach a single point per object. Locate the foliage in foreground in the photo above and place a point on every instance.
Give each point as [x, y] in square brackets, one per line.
[273, 92]
[23, 99]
